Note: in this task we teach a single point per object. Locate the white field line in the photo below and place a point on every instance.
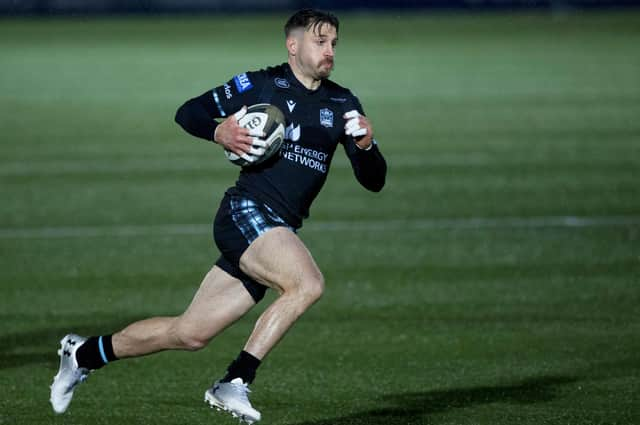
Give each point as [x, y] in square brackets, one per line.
[327, 226]
[55, 167]
[47, 167]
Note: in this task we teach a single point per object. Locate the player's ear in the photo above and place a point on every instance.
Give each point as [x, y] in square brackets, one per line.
[293, 41]
[292, 44]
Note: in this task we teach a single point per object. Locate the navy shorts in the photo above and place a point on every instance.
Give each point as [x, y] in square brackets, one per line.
[239, 221]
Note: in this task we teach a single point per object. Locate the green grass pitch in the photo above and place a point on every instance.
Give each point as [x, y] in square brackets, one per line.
[495, 280]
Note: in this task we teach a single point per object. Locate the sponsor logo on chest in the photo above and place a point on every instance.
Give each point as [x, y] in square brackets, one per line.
[307, 157]
[292, 132]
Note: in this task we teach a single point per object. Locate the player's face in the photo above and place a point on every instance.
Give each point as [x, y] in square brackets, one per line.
[316, 51]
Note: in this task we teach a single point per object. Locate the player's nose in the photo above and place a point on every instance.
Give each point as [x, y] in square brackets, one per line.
[329, 52]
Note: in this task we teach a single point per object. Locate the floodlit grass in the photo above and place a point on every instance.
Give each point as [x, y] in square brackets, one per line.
[455, 296]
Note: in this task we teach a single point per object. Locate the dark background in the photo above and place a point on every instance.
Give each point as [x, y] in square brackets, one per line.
[44, 7]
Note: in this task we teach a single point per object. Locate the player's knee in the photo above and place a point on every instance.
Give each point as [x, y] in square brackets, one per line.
[312, 288]
[193, 342]
[187, 339]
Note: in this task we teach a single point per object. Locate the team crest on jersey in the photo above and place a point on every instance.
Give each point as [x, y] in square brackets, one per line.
[326, 117]
[242, 82]
[282, 83]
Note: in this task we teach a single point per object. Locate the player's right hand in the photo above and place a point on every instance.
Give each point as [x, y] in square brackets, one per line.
[247, 144]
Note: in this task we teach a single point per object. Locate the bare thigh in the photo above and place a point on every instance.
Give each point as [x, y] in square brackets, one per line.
[219, 302]
[280, 260]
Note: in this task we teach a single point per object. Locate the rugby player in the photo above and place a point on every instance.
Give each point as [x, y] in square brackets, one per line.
[255, 226]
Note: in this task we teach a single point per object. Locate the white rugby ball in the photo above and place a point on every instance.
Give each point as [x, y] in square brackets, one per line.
[266, 118]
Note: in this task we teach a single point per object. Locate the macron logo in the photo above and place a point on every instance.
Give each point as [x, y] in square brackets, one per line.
[242, 82]
[291, 104]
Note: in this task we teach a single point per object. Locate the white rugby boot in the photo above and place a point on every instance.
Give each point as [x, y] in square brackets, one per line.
[69, 374]
[232, 397]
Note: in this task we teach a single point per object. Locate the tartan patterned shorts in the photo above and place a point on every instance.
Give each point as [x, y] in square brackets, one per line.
[239, 221]
[251, 220]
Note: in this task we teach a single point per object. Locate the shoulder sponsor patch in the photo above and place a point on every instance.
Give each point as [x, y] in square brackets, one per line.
[282, 83]
[242, 82]
[338, 99]
[227, 91]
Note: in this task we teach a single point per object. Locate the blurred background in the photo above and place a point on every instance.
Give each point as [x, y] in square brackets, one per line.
[171, 6]
[495, 279]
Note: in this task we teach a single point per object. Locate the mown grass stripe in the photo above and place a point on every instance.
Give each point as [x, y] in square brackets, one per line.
[52, 232]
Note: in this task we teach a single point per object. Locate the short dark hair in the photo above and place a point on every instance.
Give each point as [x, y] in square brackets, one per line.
[308, 18]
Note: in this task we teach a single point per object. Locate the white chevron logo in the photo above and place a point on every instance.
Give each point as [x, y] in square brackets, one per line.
[291, 104]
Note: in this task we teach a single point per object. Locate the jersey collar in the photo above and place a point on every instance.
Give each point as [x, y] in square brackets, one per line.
[288, 72]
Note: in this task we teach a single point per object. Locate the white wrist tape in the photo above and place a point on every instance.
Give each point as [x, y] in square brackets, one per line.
[352, 128]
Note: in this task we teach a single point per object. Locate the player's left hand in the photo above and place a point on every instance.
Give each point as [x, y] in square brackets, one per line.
[358, 127]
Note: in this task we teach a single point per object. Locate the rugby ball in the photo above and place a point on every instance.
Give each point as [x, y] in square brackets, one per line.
[266, 118]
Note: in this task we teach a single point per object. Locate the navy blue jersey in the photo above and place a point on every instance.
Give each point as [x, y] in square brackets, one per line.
[290, 181]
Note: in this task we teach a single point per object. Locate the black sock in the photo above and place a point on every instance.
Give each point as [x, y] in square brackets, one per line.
[96, 352]
[242, 367]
